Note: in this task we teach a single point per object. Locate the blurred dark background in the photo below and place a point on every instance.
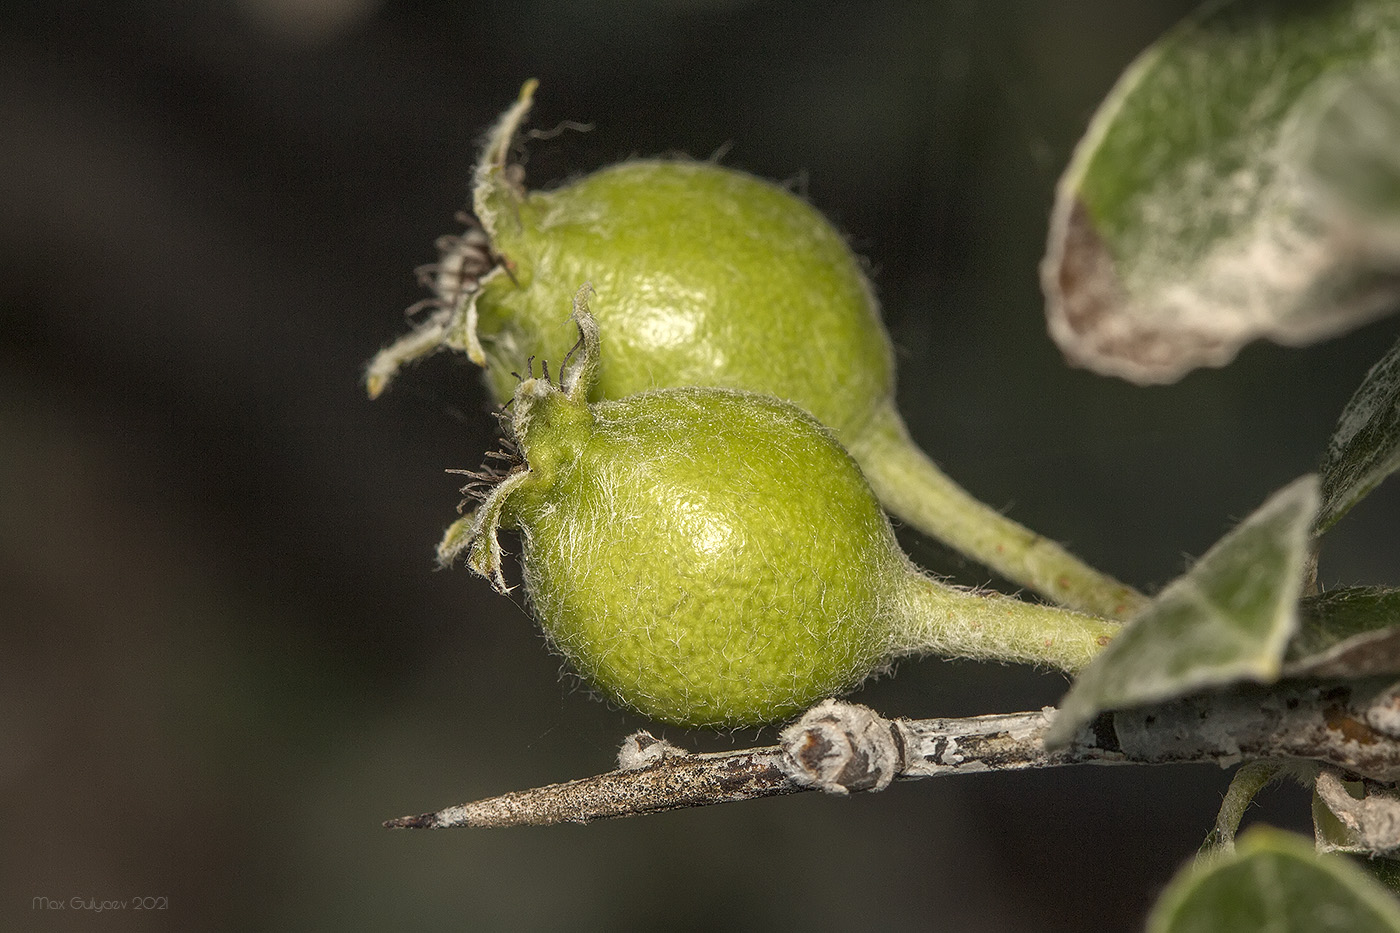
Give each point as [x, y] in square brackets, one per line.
[225, 656]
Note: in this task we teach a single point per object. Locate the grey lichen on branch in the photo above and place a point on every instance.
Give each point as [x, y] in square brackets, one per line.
[842, 747]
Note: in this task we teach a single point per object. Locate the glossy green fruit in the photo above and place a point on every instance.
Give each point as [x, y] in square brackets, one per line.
[712, 557]
[711, 277]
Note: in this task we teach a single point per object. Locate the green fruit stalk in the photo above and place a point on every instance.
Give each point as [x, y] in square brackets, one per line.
[714, 557]
[712, 277]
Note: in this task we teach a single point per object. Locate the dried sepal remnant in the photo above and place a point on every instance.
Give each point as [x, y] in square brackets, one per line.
[464, 262]
[508, 468]
[483, 545]
[477, 532]
[499, 466]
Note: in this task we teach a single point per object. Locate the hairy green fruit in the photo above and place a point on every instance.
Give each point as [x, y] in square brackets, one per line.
[713, 557]
[697, 592]
[706, 556]
[769, 280]
[711, 277]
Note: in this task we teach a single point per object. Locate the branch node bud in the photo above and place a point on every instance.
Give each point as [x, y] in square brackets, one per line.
[841, 747]
[641, 750]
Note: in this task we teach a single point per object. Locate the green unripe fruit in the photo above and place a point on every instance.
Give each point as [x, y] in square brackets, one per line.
[770, 280]
[709, 557]
[706, 276]
[710, 277]
[712, 557]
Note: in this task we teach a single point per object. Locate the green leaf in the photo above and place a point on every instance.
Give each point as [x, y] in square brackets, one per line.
[1242, 180]
[1353, 148]
[1346, 633]
[1386, 871]
[1274, 882]
[1365, 448]
[1228, 619]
